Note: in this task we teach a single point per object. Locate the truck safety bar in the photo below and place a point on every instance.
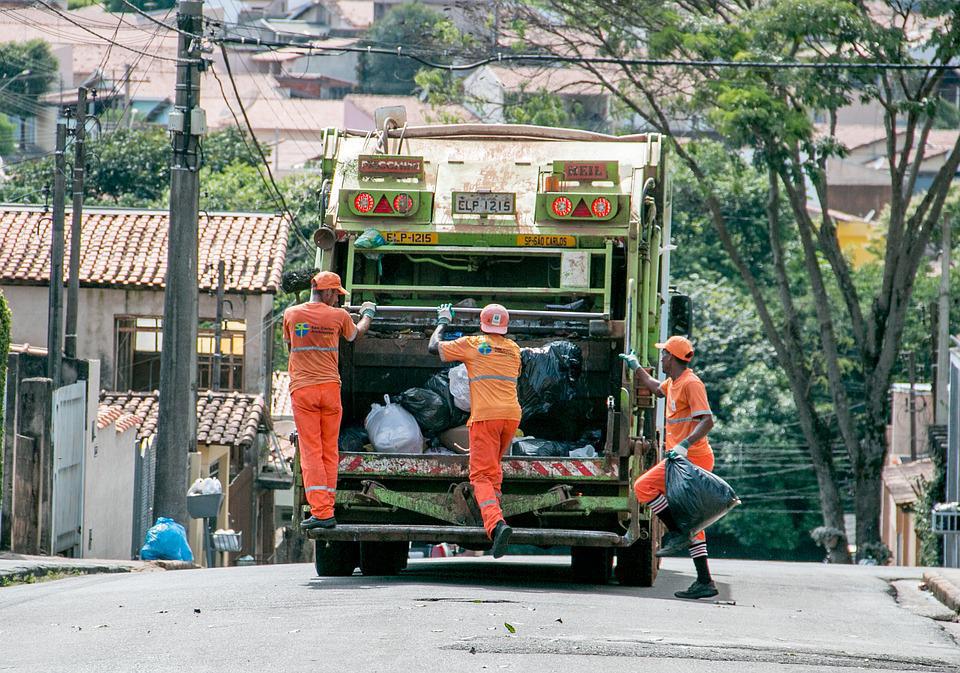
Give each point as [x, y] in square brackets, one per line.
[470, 534]
[544, 315]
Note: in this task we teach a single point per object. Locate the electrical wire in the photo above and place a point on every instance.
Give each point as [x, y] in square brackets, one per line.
[501, 57]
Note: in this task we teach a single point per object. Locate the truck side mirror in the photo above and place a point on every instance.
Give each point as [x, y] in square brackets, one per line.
[681, 316]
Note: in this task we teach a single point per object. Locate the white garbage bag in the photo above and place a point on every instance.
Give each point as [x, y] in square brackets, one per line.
[393, 429]
[460, 387]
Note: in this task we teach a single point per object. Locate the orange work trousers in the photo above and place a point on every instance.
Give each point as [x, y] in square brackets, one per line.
[489, 442]
[317, 412]
[653, 482]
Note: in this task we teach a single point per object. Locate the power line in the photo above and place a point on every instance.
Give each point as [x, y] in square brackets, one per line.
[501, 57]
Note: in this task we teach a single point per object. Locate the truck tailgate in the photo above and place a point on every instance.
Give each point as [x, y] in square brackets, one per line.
[370, 465]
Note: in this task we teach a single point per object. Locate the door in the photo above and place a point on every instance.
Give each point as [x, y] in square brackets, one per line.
[69, 424]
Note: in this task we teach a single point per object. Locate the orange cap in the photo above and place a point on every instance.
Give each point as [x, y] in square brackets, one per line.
[327, 280]
[678, 346]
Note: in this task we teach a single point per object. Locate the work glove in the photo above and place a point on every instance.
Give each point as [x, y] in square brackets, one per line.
[444, 314]
[679, 450]
[368, 309]
[633, 362]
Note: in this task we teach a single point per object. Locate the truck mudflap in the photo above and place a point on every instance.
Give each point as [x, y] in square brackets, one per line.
[471, 535]
[458, 467]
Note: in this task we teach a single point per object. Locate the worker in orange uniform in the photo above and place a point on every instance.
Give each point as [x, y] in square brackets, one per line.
[312, 332]
[688, 420]
[493, 367]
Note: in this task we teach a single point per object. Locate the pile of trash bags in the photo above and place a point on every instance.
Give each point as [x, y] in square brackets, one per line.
[418, 416]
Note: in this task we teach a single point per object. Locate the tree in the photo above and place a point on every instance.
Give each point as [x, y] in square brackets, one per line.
[405, 25]
[146, 5]
[769, 110]
[7, 135]
[26, 71]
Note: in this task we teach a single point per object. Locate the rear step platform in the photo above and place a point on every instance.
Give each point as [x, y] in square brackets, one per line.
[469, 534]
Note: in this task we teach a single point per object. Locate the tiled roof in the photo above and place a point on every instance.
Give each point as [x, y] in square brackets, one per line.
[229, 419]
[419, 113]
[280, 405]
[904, 480]
[128, 248]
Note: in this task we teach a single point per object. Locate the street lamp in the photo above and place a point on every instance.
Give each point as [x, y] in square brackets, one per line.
[22, 73]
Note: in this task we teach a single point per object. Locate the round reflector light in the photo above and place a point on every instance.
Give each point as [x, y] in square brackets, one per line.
[364, 202]
[600, 207]
[562, 206]
[402, 203]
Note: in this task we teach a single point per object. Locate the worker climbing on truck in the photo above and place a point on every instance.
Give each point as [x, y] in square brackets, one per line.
[312, 332]
[493, 368]
[688, 420]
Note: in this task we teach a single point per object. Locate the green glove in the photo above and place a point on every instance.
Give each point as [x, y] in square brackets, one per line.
[445, 314]
[633, 362]
[368, 309]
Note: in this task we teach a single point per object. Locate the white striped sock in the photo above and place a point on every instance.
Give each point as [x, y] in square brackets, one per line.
[698, 549]
[658, 504]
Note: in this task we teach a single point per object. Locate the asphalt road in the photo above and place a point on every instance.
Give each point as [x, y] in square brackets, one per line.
[453, 615]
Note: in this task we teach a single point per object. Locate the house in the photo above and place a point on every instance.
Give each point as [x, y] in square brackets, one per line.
[313, 73]
[122, 268]
[233, 439]
[902, 484]
[490, 89]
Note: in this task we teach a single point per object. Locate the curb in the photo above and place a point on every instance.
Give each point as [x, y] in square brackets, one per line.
[27, 572]
[946, 591]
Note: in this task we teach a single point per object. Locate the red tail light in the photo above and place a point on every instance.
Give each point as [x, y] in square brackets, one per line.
[562, 206]
[600, 207]
[402, 203]
[363, 202]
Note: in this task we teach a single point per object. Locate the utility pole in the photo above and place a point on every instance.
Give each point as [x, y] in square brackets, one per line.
[177, 413]
[73, 290]
[912, 405]
[55, 297]
[218, 330]
[942, 410]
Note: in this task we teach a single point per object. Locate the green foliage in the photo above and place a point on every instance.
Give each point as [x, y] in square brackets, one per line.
[405, 25]
[931, 493]
[230, 146]
[5, 321]
[539, 108]
[7, 139]
[21, 90]
[80, 4]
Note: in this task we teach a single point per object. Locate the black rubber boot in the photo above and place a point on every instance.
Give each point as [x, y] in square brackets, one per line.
[314, 522]
[501, 537]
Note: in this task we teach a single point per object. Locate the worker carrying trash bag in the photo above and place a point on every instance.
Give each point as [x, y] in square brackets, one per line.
[688, 420]
[312, 332]
[493, 367]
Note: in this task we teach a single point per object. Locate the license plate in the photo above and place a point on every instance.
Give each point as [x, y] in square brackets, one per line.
[484, 203]
[546, 241]
[411, 237]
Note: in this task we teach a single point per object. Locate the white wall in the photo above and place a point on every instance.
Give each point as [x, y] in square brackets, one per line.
[108, 494]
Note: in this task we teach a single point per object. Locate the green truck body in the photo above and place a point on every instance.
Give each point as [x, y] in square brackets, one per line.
[567, 229]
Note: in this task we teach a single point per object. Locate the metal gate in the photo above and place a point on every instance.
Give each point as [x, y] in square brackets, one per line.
[69, 424]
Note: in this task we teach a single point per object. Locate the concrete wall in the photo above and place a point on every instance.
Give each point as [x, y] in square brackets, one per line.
[108, 494]
[99, 308]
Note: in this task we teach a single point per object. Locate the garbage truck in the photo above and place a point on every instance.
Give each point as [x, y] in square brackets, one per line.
[570, 230]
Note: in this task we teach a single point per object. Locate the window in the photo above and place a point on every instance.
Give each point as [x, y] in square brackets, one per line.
[140, 340]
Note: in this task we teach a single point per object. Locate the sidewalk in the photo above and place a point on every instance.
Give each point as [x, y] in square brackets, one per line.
[944, 583]
[15, 568]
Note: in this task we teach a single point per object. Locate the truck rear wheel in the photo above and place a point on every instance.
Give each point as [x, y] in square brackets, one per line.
[591, 565]
[383, 558]
[336, 559]
[636, 565]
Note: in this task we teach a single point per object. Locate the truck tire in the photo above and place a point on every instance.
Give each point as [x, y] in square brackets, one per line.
[591, 565]
[636, 565]
[383, 558]
[336, 559]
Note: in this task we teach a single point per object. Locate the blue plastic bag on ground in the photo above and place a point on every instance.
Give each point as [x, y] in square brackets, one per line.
[166, 540]
[697, 498]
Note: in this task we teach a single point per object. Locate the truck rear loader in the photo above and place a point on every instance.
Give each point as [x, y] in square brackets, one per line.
[570, 231]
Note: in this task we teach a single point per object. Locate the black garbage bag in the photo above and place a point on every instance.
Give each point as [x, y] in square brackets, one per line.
[440, 384]
[353, 439]
[548, 376]
[697, 498]
[533, 446]
[429, 408]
